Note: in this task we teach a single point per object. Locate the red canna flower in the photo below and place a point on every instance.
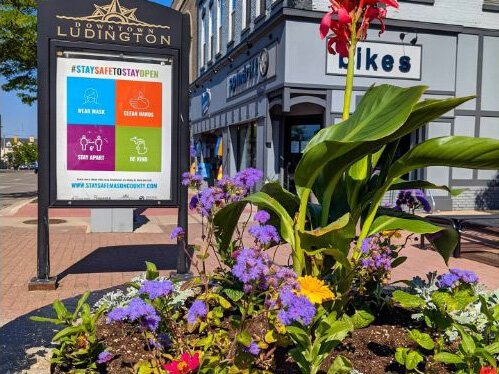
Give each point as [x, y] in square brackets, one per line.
[345, 12]
[487, 370]
[187, 364]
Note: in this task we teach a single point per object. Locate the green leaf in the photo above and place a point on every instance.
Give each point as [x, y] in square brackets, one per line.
[487, 356]
[448, 358]
[467, 342]
[412, 360]
[423, 339]
[225, 222]
[413, 224]
[340, 365]
[407, 300]
[151, 271]
[300, 336]
[444, 239]
[455, 151]
[362, 318]
[382, 110]
[401, 355]
[223, 302]
[448, 302]
[398, 261]
[493, 348]
[234, 295]
[244, 338]
[60, 309]
[80, 304]
[71, 330]
[44, 319]
[337, 234]
[424, 185]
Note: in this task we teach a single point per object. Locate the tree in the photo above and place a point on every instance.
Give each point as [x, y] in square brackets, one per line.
[18, 47]
[24, 153]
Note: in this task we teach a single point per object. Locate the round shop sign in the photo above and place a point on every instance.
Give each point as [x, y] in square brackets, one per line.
[205, 101]
[263, 62]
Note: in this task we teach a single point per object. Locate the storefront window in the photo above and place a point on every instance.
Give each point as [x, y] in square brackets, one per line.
[209, 156]
[246, 146]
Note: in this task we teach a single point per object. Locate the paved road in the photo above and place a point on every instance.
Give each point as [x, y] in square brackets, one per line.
[16, 186]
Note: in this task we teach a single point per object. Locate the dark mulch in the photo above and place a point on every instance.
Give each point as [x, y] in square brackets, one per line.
[371, 350]
[127, 344]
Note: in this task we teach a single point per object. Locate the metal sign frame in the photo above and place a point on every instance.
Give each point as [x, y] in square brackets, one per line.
[69, 25]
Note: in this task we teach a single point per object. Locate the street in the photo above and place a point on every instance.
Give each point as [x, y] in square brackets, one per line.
[16, 186]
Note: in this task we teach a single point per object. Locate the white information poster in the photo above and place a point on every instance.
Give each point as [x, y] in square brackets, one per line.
[114, 130]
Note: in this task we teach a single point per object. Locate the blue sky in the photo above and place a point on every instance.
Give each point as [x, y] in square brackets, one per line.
[20, 119]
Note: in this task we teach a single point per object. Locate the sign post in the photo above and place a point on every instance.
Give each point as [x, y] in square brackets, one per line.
[113, 111]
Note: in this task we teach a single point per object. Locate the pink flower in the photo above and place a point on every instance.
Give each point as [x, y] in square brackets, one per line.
[187, 364]
[345, 12]
[487, 370]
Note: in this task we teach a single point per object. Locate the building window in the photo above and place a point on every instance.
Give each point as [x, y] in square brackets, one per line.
[261, 6]
[219, 26]
[491, 5]
[232, 19]
[246, 147]
[211, 34]
[246, 16]
[203, 40]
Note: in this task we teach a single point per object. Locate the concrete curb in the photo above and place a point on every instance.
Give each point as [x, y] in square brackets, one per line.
[13, 209]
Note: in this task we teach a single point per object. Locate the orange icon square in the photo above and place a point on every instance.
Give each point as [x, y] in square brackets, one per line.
[138, 103]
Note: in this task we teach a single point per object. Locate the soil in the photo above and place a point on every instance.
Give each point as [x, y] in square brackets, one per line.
[127, 344]
[371, 350]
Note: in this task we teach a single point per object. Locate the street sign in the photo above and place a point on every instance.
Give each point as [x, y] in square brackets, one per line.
[112, 110]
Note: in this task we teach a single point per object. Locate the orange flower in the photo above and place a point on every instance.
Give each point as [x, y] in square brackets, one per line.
[314, 289]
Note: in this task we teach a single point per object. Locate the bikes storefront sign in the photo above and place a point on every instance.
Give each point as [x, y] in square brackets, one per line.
[382, 60]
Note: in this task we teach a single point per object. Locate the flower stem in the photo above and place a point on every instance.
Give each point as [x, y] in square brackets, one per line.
[350, 72]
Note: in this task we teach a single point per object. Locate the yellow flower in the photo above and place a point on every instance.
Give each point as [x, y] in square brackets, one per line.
[314, 289]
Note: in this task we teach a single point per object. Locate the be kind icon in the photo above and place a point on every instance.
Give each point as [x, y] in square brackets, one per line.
[91, 147]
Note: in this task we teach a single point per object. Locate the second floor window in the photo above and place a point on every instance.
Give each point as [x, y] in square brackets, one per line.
[261, 6]
[219, 26]
[246, 16]
[203, 40]
[232, 19]
[211, 34]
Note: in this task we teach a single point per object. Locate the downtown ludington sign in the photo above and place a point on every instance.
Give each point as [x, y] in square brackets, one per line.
[113, 109]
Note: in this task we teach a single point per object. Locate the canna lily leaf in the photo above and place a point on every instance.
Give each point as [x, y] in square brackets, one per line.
[424, 185]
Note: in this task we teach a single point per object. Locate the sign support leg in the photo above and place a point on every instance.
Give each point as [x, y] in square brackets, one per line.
[184, 158]
[43, 281]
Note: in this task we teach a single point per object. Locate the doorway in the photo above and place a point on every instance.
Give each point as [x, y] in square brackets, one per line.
[298, 131]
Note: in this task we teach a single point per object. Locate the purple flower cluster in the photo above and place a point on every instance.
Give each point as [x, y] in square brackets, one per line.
[177, 232]
[264, 234]
[262, 217]
[377, 256]
[192, 180]
[455, 277]
[413, 199]
[248, 178]
[104, 357]
[227, 190]
[251, 266]
[253, 349]
[295, 308]
[255, 270]
[139, 310]
[155, 289]
[198, 309]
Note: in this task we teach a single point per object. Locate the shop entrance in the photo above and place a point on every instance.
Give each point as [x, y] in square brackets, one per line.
[298, 132]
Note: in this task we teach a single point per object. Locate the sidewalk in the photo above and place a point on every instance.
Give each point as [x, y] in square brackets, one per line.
[100, 261]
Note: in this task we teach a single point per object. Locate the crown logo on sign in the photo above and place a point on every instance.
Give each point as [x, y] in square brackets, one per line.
[114, 13]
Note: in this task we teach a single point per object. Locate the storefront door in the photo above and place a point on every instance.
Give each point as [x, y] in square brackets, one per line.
[298, 132]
